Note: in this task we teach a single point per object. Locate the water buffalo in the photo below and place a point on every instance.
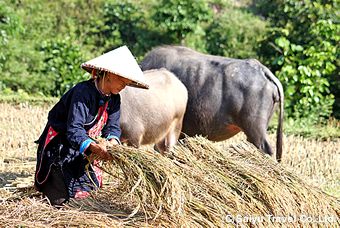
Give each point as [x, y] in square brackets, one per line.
[153, 116]
[226, 95]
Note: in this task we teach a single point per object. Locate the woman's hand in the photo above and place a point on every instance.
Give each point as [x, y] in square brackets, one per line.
[100, 149]
[113, 141]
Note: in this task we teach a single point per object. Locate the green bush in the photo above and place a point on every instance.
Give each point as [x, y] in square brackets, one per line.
[126, 23]
[10, 26]
[123, 17]
[303, 76]
[61, 65]
[43, 43]
[181, 17]
[302, 49]
[235, 34]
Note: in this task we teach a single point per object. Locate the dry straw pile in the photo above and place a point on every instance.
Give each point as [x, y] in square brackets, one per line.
[199, 185]
[196, 185]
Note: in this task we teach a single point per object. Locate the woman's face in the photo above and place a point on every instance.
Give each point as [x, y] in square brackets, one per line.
[116, 83]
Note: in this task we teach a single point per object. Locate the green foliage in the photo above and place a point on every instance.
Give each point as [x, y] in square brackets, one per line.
[239, 40]
[61, 65]
[18, 69]
[27, 66]
[16, 56]
[123, 17]
[303, 77]
[183, 16]
[303, 50]
[325, 129]
[10, 26]
[43, 43]
[77, 19]
[126, 23]
[9, 21]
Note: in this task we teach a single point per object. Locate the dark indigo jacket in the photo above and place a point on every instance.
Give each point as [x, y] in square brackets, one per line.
[72, 117]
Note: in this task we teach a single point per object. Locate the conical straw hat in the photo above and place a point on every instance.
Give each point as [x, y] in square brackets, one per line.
[120, 62]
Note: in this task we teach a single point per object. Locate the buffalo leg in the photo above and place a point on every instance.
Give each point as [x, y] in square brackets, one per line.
[256, 132]
[259, 138]
[171, 138]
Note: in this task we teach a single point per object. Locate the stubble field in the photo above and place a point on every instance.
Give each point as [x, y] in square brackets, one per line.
[315, 161]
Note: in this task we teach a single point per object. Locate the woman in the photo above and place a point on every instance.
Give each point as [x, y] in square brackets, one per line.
[88, 110]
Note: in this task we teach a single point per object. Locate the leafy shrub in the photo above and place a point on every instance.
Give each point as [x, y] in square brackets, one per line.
[126, 23]
[123, 17]
[61, 65]
[34, 58]
[182, 16]
[304, 75]
[16, 56]
[235, 34]
[10, 26]
[18, 69]
[302, 48]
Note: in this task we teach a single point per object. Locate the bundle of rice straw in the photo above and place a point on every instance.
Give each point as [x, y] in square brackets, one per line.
[34, 212]
[199, 185]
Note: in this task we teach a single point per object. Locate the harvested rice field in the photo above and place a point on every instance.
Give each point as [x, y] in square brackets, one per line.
[198, 184]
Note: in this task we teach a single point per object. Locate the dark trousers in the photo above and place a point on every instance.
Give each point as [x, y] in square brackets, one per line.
[54, 188]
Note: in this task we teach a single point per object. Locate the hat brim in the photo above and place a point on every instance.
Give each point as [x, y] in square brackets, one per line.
[134, 83]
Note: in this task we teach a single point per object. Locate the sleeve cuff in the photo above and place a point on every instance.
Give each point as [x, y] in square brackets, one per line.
[115, 137]
[85, 145]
